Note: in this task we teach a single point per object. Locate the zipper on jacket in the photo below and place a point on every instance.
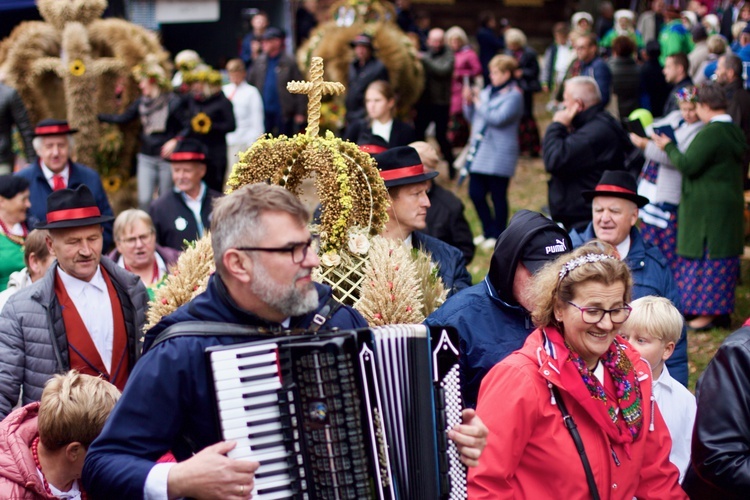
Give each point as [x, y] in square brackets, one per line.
[614, 456]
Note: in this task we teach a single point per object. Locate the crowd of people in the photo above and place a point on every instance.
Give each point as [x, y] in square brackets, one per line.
[574, 346]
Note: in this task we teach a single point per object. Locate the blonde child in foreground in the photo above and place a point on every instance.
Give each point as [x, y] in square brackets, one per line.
[653, 329]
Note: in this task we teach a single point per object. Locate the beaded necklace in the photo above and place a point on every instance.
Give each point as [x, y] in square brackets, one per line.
[35, 452]
[18, 240]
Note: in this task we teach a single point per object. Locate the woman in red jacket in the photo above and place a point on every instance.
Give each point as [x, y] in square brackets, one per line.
[575, 364]
[43, 444]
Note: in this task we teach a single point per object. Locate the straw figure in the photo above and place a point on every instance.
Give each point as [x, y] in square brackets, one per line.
[74, 65]
[331, 41]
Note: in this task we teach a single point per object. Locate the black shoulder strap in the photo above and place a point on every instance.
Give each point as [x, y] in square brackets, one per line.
[573, 429]
[324, 314]
[207, 329]
[213, 329]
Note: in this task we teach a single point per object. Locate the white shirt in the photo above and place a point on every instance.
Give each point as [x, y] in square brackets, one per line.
[725, 118]
[677, 406]
[95, 308]
[74, 493]
[624, 247]
[248, 114]
[382, 129]
[194, 204]
[48, 174]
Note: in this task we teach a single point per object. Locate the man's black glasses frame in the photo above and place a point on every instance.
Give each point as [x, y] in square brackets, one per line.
[298, 250]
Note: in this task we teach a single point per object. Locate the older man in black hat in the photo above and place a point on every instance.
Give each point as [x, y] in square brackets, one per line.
[184, 213]
[615, 203]
[86, 313]
[365, 69]
[54, 170]
[408, 181]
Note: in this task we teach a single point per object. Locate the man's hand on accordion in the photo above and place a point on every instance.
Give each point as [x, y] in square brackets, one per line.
[211, 474]
[470, 437]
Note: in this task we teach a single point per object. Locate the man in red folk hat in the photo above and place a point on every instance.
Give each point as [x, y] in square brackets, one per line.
[615, 203]
[183, 214]
[408, 181]
[54, 170]
[86, 313]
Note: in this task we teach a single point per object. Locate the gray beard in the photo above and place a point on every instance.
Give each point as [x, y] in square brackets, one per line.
[288, 300]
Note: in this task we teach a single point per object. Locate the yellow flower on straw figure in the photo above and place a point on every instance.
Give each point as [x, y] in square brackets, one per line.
[77, 68]
[201, 123]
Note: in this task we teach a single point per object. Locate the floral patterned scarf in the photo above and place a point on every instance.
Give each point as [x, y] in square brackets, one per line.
[622, 419]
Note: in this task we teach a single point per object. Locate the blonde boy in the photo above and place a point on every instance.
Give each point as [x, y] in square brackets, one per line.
[653, 329]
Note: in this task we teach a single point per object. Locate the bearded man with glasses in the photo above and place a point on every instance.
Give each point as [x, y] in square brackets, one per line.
[264, 257]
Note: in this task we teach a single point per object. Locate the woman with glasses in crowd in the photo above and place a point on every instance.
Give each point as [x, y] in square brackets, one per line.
[136, 249]
[574, 371]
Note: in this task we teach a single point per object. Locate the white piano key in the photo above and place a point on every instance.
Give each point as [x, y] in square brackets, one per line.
[259, 374]
[244, 452]
[261, 414]
[257, 414]
[233, 353]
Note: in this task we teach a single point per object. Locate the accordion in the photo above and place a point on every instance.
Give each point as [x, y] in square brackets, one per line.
[359, 414]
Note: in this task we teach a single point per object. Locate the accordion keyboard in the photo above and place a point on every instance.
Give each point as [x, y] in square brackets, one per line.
[247, 382]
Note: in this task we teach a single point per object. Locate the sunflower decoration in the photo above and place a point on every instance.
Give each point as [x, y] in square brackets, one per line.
[77, 68]
[112, 183]
[201, 123]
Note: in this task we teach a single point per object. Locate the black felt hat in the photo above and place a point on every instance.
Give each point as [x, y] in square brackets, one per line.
[401, 165]
[362, 39]
[53, 127]
[190, 150]
[72, 208]
[619, 184]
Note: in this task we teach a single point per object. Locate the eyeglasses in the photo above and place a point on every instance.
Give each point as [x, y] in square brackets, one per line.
[298, 250]
[143, 238]
[593, 315]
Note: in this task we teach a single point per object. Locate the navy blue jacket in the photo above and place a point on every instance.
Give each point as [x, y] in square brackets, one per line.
[79, 174]
[491, 323]
[489, 330]
[170, 207]
[168, 396]
[449, 259]
[651, 276]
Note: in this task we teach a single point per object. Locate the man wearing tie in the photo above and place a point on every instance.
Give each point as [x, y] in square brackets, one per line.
[86, 313]
[54, 170]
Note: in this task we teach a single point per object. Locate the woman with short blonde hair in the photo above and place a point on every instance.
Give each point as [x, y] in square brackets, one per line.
[43, 444]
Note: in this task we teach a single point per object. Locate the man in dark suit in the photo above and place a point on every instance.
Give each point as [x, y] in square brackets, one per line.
[271, 71]
[408, 181]
[184, 214]
[53, 170]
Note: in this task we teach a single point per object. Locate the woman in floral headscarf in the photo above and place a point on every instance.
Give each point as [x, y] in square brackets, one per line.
[575, 371]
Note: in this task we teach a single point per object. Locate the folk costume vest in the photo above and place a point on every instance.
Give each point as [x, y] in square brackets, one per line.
[84, 356]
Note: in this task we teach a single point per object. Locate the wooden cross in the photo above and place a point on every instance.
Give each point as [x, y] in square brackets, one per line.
[315, 89]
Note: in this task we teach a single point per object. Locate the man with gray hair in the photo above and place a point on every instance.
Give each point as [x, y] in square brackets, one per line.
[54, 170]
[582, 142]
[264, 257]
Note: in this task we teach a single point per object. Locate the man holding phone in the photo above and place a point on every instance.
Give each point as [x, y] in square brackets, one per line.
[582, 142]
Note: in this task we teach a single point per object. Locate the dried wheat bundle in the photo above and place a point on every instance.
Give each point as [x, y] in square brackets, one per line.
[390, 293]
[187, 278]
